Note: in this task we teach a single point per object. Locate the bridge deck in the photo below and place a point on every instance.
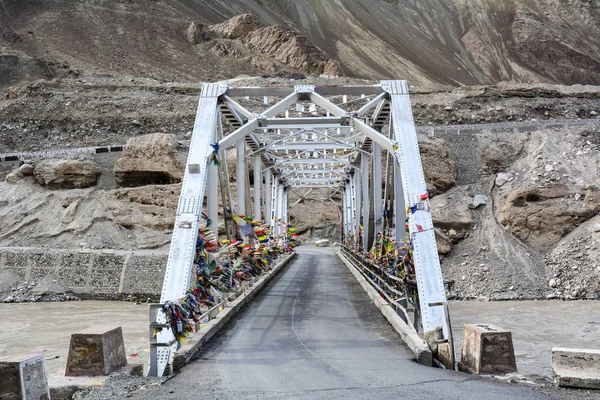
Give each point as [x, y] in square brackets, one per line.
[313, 333]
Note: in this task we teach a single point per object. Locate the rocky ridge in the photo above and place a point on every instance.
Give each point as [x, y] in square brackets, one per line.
[428, 42]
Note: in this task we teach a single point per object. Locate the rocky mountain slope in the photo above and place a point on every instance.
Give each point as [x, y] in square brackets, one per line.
[516, 209]
[455, 42]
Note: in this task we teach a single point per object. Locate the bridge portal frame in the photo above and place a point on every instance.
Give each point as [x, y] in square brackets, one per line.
[360, 183]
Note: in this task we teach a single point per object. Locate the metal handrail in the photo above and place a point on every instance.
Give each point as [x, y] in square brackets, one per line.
[361, 265]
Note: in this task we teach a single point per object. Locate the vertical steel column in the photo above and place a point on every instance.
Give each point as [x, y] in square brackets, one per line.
[212, 196]
[285, 206]
[240, 175]
[377, 192]
[257, 186]
[349, 208]
[365, 201]
[273, 205]
[279, 207]
[268, 194]
[353, 206]
[427, 263]
[357, 210]
[344, 233]
[399, 205]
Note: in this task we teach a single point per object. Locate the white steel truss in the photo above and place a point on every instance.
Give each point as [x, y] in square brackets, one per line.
[334, 150]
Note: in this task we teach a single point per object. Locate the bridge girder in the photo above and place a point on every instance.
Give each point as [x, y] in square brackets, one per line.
[357, 175]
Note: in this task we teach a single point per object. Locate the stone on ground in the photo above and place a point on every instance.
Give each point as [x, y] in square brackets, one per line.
[579, 368]
[67, 173]
[14, 177]
[542, 216]
[26, 169]
[439, 166]
[149, 159]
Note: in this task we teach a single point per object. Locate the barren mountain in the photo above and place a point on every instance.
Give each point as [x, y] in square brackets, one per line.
[456, 42]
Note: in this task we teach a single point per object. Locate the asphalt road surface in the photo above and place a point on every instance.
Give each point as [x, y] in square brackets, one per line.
[313, 334]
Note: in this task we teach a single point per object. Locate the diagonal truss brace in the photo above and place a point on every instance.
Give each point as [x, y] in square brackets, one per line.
[427, 264]
[185, 232]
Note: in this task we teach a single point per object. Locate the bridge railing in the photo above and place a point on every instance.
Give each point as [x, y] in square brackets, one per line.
[391, 288]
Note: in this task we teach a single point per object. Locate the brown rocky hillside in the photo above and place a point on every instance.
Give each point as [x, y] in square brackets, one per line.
[455, 42]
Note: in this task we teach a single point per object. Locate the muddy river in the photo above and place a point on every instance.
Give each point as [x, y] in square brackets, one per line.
[537, 326]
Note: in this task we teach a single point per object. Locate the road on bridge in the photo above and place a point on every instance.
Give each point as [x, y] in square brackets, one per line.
[313, 334]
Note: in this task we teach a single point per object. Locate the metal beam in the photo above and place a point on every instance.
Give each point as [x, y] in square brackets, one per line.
[296, 186]
[304, 122]
[357, 210]
[317, 180]
[303, 197]
[311, 146]
[366, 203]
[313, 171]
[371, 104]
[280, 202]
[427, 264]
[279, 162]
[274, 193]
[399, 205]
[353, 205]
[257, 186]
[281, 106]
[235, 106]
[351, 90]
[377, 191]
[327, 105]
[212, 199]
[328, 197]
[185, 232]
[375, 136]
[240, 175]
[238, 134]
[267, 174]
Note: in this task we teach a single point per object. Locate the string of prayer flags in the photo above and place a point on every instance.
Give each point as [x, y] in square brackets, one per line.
[220, 267]
[214, 157]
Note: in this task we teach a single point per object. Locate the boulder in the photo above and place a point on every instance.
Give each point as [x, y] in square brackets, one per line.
[67, 173]
[149, 159]
[480, 200]
[152, 206]
[503, 177]
[290, 48]
[196, 33]
[14, 177]
[498, 156]
[322, 243]
[443, 242]
[26, 169]
[333, 68]
[541, 216]
[438, 165]
[452, 213]
[235, 28]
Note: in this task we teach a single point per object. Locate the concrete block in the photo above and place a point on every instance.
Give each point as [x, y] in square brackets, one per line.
[487, 349]
[577, 368]
[23, 378]
[96, 351]
[445, 356]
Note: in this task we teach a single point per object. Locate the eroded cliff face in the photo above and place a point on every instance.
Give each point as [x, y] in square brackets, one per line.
[458, 42]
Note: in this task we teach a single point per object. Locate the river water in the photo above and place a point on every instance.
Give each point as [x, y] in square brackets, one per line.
[537, 326]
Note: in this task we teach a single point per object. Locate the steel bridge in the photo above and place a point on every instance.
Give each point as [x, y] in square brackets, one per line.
[332, 141]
